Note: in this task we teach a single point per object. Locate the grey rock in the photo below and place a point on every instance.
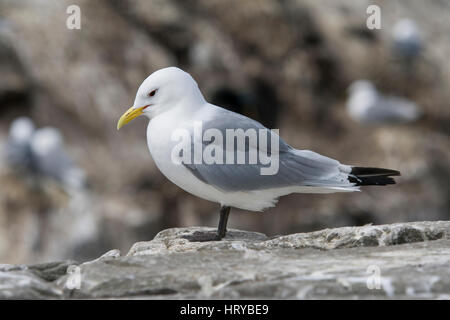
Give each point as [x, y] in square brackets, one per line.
[366, 236]
[172, 240]
[32, 282]
[411, 259]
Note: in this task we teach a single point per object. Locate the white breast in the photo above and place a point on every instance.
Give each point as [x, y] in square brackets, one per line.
[160, 144]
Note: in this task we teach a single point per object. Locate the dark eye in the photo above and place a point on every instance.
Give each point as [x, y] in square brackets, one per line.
[151, 94]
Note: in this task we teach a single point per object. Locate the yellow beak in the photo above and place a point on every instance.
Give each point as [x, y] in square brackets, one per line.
[129, 115]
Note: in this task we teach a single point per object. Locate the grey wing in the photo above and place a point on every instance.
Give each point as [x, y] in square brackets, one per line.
[394, 109]
[294, 167]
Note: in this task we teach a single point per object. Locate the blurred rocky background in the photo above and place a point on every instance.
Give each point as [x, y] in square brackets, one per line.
[73, 187]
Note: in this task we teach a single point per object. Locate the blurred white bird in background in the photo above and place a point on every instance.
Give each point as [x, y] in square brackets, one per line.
[42, 152]
[406, 39]
[367, 106]
[18, 153]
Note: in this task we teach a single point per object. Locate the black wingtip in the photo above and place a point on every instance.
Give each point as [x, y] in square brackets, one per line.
[364, 176]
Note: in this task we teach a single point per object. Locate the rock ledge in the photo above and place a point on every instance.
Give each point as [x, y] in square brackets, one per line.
[412, 260]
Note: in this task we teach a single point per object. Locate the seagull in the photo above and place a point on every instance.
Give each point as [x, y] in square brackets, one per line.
[42, 151]
[367, 106]
[18, 152]
[52, 159]
[171, 100]
[407, 40]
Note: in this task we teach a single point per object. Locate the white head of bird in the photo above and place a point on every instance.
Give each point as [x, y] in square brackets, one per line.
[361, 85]
[21, 130]
[162, 91]
[363, 91]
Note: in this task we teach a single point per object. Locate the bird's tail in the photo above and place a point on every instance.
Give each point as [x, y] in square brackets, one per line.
[363, 176]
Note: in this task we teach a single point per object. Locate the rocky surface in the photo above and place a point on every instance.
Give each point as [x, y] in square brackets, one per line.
[411, 259]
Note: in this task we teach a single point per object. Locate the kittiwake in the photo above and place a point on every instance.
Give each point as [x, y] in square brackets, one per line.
[193, 144]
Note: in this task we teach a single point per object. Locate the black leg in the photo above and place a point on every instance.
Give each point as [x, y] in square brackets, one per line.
[222, 229]
[213, 236]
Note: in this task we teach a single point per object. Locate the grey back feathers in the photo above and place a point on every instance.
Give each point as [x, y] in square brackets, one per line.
[296, 167]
